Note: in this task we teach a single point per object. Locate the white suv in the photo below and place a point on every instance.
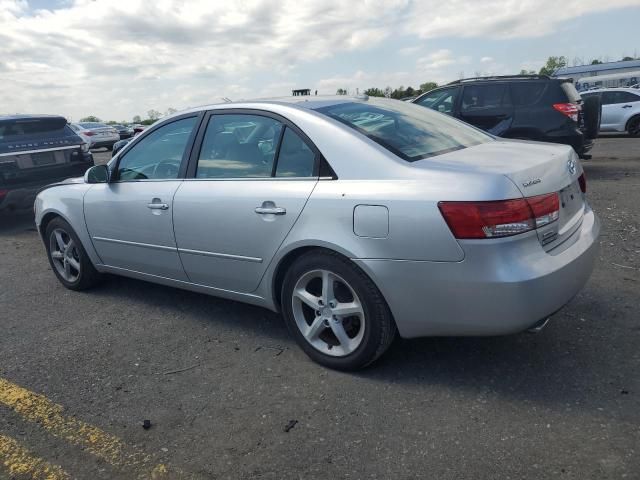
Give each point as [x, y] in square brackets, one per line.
[620, 109]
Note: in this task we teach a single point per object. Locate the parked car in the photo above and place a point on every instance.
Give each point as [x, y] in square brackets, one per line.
[98, 134]
[355, 217]
[620, 109]
[529, 107]
[119, 146]
[124, 131]
[137, 128]
[36, 150]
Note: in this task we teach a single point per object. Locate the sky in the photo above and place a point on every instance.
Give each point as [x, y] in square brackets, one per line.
[115, 59]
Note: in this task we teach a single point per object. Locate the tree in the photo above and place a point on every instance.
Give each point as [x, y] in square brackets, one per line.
[527, 72]
[426, 86]
[170, 111]
[374, 92]
[341, 91]
[90, 118]
[626, 59]
[154, 114]
[388, 91]
[595, 61]
[137, 119]
[553, 64]
[111, 122]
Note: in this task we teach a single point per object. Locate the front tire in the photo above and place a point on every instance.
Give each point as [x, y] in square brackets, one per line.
[335, 312]
[68, 258]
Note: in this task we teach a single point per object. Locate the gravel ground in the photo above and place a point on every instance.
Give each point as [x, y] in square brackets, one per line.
[220, 380]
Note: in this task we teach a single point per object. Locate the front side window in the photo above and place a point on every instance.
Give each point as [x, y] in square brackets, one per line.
[157, 156]
[441, 100]
[484, 97]
[409, 131]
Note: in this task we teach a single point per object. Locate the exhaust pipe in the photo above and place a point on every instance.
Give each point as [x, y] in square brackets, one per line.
[537, 328]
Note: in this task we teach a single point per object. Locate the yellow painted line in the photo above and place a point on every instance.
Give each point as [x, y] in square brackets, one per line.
[39, 409]
[21, 463]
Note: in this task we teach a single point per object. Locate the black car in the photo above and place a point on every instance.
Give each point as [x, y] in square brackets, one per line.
[123, 131]
[528, 107]
[36, 150]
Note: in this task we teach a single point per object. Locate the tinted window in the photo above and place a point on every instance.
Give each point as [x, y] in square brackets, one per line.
[159, 154]
[92, 125]
[295, 158]
[610, 98]
[408, 130]
[526, 93]
[479, 97]
[237, 146]
[441, 100]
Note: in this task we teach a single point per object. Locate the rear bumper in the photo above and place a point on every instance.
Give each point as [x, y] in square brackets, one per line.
[574, 137]
[105, 143]
[19, 195]
[500, 288]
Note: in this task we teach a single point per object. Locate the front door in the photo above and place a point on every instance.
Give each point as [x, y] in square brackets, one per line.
[615, 109]
[253, 177]
[130, 219]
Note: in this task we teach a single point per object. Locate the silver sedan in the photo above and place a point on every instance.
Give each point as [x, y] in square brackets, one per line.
[357, 218]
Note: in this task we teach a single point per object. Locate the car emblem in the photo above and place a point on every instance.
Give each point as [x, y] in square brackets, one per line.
[571, 165]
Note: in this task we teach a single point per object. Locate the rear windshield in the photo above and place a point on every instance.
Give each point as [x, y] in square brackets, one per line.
[410, 131]
[31, 127]
[92, 125]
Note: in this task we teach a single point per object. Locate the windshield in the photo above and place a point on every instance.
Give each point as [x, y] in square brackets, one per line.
[410, 131]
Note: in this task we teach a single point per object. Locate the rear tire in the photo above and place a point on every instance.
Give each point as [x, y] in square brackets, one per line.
[633, 126]
[592, 113]
[335, 312]
[68, 258]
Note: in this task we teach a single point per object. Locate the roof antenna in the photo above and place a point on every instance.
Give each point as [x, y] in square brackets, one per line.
[226, 100]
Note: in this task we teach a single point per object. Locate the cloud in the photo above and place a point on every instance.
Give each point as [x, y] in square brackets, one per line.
[486, 59]
[118, 58]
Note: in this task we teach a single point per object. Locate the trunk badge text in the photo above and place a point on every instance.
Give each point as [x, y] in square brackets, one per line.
[571, 165]
[531, 182]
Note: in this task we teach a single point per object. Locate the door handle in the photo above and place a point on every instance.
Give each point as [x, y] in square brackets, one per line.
[271, 210]
[158, 206]
[627, 106]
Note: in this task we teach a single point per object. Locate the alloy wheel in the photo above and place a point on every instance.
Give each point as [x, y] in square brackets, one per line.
[328, 313]
[64, 255]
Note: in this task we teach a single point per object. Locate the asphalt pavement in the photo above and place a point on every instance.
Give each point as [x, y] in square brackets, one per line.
[229, 395]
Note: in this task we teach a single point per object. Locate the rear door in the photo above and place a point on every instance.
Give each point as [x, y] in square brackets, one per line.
[251, 178]
[487, 106]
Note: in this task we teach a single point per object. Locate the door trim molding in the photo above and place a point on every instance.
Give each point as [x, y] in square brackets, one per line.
[135, 244]
[220, 255]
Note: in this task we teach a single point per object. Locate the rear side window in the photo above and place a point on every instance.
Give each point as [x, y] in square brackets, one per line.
[611, 98]
[526, 93]
[295, 158]
[481, 97]
[407, 130]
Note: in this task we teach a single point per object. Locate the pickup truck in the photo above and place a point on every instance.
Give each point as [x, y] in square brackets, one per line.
[36, 150]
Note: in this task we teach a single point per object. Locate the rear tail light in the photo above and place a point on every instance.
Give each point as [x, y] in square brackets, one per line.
[501, 218]
[583, 183]
[3, 193]
[89, 133]
[569, 109]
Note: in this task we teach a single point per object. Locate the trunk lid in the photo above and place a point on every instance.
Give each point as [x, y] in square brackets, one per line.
[536, 169]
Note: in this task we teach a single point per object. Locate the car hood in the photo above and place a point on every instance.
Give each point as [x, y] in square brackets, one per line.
[534, 167]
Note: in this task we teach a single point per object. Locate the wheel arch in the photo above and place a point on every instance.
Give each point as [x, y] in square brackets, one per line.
[635, 116]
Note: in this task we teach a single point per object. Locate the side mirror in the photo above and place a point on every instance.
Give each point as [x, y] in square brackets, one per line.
[97, 174]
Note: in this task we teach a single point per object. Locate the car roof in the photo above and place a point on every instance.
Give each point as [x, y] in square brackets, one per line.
[310, 102]
[613, 89]
[18, 116]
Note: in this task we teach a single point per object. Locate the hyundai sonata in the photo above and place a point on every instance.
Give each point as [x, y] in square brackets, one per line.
[357, 218]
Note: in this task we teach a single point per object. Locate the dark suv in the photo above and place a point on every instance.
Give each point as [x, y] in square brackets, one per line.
[528, 107]
[36, 150]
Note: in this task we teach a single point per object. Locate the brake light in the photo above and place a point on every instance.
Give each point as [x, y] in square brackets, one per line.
[502, 218]
[582, 180]
[89, 133]
[569, 109]
[3, 193]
